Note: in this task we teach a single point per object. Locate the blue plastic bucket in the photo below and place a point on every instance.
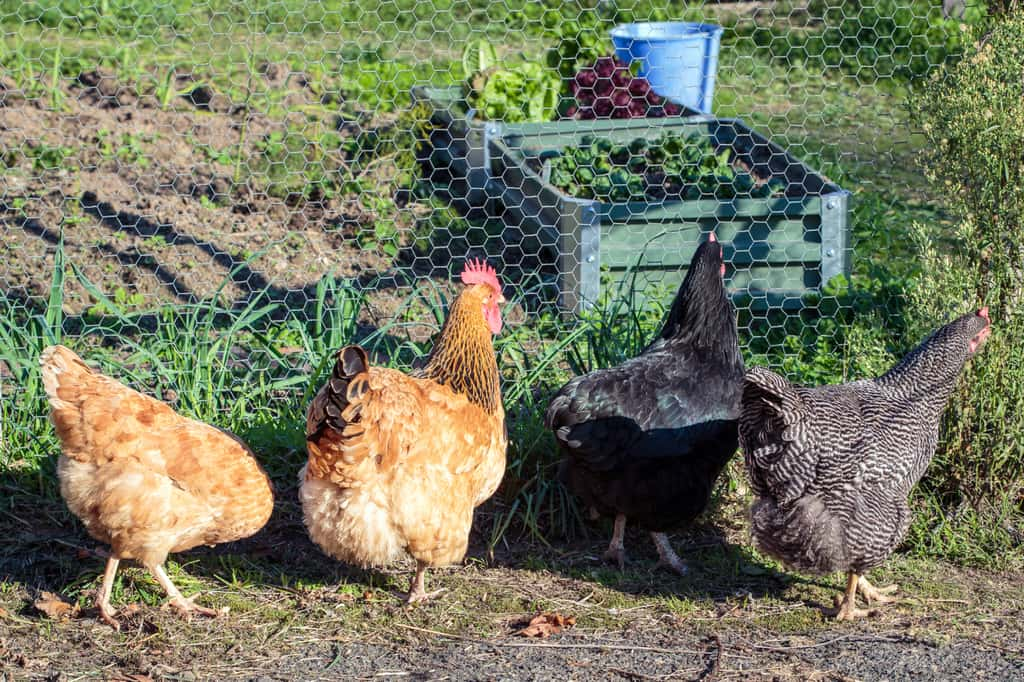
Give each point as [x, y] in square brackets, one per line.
[679, 59]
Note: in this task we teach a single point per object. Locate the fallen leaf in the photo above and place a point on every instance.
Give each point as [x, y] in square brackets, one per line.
[546, 624]
[4, 612]
[340, 596]
[130, 609]
[55, 607]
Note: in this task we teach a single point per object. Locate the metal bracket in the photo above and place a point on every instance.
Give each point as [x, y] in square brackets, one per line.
[835, 236]
[581, 256]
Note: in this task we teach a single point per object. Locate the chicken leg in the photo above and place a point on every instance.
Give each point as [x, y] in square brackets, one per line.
[108, 612]
[667, 556]
[417, 593]
[846, 605]
[616, 551]
[184, 606]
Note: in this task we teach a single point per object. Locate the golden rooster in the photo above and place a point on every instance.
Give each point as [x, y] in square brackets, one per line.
[397, 463]
[144, 479]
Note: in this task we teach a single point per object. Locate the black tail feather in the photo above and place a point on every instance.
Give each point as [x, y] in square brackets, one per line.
[339, 402]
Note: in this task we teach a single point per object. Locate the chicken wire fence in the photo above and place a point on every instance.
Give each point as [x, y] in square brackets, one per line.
[269, 175]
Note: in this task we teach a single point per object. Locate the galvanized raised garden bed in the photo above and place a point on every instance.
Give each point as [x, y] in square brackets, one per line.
[461, 141]
[778, 249]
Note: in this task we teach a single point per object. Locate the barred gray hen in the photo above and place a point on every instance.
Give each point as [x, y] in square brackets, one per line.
[647, 439]
[832, 466]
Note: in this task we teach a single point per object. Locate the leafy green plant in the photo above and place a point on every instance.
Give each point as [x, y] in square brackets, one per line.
[47, 157]
[128, 148]
[973, 117]
[580, 41]
[527, 91]
[673, 167]
[297, 163]
[479, 55]
[165, 89]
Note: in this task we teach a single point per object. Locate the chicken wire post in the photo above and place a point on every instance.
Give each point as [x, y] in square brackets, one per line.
[835, 236]
[580, 256]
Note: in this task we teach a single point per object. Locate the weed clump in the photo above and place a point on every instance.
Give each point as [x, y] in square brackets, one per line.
[973, 116]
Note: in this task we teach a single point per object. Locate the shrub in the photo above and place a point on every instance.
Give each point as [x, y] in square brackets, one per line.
[973, 117]
[903, 39]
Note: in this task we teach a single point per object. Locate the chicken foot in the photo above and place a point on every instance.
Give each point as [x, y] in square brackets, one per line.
[417, 593]
[846, 605]
[667, 556]
[185, 606]
[616, 552]
[108, 612]
[874, 594]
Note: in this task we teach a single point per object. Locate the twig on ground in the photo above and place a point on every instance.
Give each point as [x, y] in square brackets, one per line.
[716, 665]
[487, 642]
[641, 677]
[841, 638]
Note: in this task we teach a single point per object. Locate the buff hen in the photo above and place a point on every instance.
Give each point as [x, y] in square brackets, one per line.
[646, 440]
[145, 480]
[397, 463]
[832, 467]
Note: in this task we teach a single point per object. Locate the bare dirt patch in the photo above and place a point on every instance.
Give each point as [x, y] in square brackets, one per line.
[169, 206]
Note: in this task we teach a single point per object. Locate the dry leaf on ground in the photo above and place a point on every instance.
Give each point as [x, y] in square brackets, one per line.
[55, 607]
[546, 624]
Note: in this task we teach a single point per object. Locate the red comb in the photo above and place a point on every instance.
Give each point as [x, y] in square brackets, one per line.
[984, 313]
[479, 272]
[712, 237]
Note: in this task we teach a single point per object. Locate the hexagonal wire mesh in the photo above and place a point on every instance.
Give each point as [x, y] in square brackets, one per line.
[207, 197]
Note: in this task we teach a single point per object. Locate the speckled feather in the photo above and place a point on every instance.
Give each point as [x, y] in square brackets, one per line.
[649, 437]
[397, 463]
[142, 478]
[832, 466]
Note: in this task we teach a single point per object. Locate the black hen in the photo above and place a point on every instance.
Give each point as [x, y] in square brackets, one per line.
[646, 440]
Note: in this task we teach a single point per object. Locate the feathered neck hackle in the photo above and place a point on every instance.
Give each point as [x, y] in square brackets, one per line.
[930, 371]
[463, 356]
[701, 314]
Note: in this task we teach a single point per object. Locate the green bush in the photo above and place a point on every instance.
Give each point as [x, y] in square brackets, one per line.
[903, 39]
[973, 117]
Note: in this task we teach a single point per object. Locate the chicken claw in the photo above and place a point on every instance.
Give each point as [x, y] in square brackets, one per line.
[186, 607]
[417, 593]
[846, 605]
[416, 597]
[616, 552]
[667, 557]
[108, 615]
[846, 609]
[874, 594]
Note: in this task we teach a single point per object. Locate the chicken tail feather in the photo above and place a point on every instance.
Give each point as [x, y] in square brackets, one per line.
[59, 365]
[339, 404]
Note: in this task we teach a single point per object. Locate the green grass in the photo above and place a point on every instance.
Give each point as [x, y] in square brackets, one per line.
[227, 367]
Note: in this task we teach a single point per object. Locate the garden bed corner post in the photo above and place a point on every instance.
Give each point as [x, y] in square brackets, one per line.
[580, 260]
[835, 236]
